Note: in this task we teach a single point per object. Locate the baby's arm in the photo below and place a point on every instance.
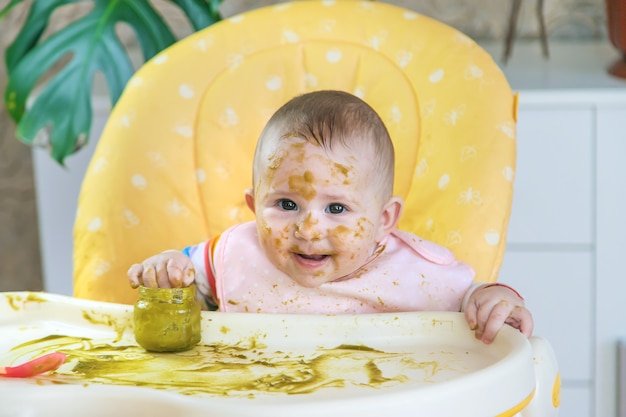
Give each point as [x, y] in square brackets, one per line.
[490, 306]
[169, 269]
[201, 258]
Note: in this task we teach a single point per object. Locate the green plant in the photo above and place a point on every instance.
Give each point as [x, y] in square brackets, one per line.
[61, 107]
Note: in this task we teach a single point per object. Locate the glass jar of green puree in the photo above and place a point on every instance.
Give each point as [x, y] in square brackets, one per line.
[167, 319]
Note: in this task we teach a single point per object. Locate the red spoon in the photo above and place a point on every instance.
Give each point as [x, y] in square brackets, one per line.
[45, 363]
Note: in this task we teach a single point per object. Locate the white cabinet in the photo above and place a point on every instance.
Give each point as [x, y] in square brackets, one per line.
[550, 254]
[567, 237]
[553, 188]
[567, 234]
[610, 253]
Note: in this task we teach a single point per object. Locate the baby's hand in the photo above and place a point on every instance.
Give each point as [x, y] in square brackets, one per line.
[490, 307]
[169, 269]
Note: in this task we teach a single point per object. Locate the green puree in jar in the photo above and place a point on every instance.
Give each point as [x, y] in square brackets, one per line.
[167, 319]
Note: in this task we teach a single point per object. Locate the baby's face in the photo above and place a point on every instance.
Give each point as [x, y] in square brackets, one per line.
[318, 214]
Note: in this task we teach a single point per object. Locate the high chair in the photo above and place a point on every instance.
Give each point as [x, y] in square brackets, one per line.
[175, 156]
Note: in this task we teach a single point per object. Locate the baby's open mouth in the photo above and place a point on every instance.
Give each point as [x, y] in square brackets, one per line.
[311, 257]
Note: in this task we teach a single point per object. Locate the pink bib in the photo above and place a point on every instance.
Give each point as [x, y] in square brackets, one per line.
[410, 274]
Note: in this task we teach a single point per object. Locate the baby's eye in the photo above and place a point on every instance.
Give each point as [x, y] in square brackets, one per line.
[336, 208]
[287, 205]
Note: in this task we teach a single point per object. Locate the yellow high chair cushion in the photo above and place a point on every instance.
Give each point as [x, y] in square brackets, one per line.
[175, 157]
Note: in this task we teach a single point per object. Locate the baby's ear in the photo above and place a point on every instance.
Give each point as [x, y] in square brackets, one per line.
[390, 217]
[249, 196]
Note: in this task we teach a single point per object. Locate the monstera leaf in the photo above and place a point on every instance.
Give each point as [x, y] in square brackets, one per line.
[57, 112]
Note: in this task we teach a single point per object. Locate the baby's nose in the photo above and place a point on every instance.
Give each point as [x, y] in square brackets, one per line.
[308, 228]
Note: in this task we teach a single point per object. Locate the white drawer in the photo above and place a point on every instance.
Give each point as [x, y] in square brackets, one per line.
[575, 402]
[558, 288]
[553, 187]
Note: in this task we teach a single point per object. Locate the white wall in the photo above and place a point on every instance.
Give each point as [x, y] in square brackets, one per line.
[57, 190]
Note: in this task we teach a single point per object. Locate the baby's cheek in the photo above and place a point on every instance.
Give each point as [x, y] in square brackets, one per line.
[265, 233]
[347, 235]
[281, 238]
[265, 230]
[364, 228]
[275, 238]
[341, 234]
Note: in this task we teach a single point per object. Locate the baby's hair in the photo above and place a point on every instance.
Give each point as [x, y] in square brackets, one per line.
[328, 118]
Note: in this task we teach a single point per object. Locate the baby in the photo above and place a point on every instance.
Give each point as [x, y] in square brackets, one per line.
[325, 237]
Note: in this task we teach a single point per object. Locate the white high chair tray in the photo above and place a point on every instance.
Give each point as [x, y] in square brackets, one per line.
[259, 364]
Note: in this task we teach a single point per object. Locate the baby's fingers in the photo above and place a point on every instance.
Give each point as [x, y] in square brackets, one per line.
[522, 320]
[180, 274]
[189, 275]
[491, 320]
[134, 275]
[149, 276]
[163, 274]
[470, 316]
